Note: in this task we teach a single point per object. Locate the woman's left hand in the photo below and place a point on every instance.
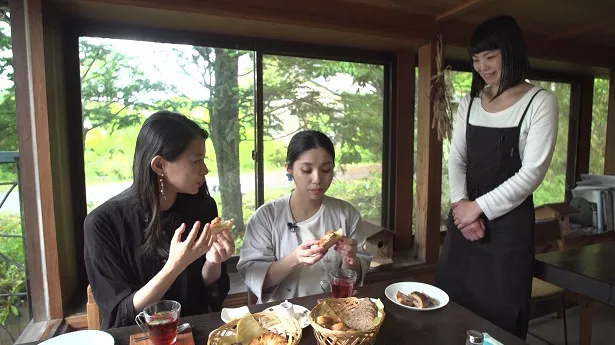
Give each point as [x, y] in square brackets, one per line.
[347, 247]
[465, 213]
[222, 248]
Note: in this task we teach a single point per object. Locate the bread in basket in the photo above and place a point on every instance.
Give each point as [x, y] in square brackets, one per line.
[349, 320]
[264, 328]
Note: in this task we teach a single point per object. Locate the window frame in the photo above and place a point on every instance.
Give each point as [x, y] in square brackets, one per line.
[260, 47]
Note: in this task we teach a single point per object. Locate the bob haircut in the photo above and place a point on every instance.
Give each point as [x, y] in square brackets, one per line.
[503, 33]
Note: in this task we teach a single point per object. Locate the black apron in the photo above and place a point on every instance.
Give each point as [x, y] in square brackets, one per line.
[492, 277]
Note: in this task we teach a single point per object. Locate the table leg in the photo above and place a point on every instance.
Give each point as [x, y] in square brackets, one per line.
[585, 331]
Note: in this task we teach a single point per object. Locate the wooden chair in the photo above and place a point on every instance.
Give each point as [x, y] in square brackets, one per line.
[547, 234]
[93, 313]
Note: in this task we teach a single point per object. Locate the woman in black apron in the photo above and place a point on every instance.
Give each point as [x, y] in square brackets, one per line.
[487, 256]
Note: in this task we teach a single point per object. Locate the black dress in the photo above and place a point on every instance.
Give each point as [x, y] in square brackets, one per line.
[492, 277]
[116, 268]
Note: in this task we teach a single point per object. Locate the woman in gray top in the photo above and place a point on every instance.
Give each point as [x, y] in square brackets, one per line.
[280, 258]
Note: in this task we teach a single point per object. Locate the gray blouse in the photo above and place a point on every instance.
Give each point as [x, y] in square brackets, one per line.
[269, 239]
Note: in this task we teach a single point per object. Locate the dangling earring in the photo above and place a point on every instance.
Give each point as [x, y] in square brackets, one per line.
[289, 176]
[162, 187]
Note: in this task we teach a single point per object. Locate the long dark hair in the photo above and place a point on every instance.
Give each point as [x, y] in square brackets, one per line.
[166, 134]
[305, 141]
[504, 33]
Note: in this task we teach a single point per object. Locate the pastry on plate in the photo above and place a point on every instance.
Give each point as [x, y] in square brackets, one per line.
[415, 299]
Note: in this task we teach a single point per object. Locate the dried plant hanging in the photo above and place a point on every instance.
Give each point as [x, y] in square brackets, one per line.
[441, 95]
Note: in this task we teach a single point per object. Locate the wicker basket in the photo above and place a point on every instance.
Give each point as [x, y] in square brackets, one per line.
[325, 336]
[271, 322]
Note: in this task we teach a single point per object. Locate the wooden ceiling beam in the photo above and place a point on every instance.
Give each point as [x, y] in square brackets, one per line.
[357, 18]
[324, 14]
[580, 29]
[463, 7]
[539, 46]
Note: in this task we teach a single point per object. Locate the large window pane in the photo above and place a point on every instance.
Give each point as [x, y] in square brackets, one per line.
[553, 187]
[342, 99]
[600, 110]
[124, 81]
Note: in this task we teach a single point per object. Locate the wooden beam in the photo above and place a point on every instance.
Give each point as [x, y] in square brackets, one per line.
[77, 321]
[580, 29]
[539, 46]
[585, 126]
[609, 150]
[35, 162]
[66, 150]
[357, 17]
[75, 149]
[404, 149]
[93, 311]
[463, 7]
[341, 17]
[585, 320]
[429, 173]
[579, 131]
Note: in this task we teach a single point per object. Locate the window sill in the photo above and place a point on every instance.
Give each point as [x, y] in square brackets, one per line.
[37, 331]
[404, 265]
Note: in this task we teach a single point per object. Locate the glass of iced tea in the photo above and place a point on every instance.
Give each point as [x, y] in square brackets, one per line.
[341, 284]
[159, 322]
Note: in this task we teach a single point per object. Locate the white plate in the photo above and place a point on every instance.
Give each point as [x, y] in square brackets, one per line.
[302, 314]
[229, 314]
[89, 337]
[440, 297]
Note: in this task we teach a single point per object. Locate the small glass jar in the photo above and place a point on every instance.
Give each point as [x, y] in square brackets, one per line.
[474, 338]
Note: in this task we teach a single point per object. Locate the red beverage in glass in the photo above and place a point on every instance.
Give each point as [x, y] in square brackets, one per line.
[163, 328]
[342, 288]
[159, 322]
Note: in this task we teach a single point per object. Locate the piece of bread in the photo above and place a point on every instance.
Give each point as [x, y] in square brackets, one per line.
[218, 225]
[339, 327]
[269, 338]
[331, 238]
[362, 316]
[404, 299]
[420, 299]
[323, 320]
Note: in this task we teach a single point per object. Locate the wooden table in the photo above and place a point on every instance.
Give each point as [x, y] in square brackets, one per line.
[446, 326]
[588, 271]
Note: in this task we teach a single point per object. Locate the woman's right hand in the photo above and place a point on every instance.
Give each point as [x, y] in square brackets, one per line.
[309, 253]
[183, 253]
[475, 231]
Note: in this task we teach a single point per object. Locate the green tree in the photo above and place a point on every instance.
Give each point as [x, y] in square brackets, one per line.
[115, 93]
[599, 120]
[8, 119]
[299, 87]
[224, 122]
[292, 87]
[216, 71]
[553, 187]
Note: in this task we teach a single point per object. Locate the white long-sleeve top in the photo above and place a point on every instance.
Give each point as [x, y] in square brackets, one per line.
[537, 140]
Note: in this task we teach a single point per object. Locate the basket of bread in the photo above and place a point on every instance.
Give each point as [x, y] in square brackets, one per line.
[349, 320]
[258, 329]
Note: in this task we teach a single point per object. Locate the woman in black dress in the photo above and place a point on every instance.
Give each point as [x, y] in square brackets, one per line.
[151, 241]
